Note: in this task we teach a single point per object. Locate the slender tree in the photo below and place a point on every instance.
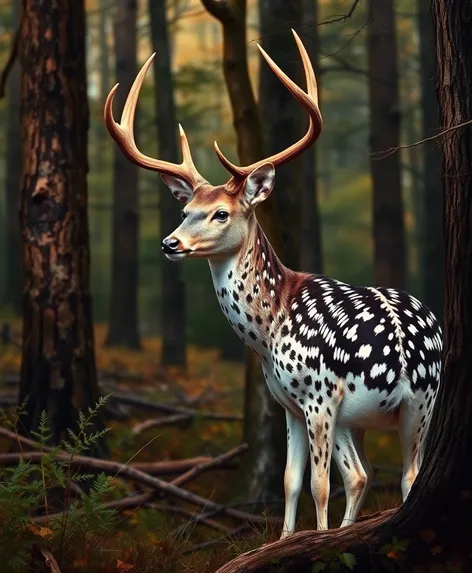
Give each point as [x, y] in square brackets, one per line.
[431, 531]
[264, 426]
[432, 268]
[58, 364]
[281, 113]
[173, 322]
[12, 290]
[311, 253]
[123, 321]
[390, 260]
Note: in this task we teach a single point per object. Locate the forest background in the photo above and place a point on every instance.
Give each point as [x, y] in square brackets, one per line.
[354, 208]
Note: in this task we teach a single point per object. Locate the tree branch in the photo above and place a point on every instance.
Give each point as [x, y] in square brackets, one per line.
[392, 150]
[344, 18]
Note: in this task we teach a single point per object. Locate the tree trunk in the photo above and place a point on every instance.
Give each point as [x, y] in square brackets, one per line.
[435, 518]
[102, 135]
[390, 260]
[432, 267]
[123, 321]
[173, 324]
[264, 425]
[58, 363]
[281, 113]
[12, 290]
[311, 253]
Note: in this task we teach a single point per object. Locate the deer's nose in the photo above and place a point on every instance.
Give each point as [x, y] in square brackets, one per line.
[170, 245]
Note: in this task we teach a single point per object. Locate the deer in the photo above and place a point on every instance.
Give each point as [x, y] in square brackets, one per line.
[340, 359]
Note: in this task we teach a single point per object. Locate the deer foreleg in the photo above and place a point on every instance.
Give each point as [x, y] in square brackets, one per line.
[297, 453]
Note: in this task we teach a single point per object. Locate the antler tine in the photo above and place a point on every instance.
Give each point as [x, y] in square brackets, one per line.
[308, 99]
[123, 134]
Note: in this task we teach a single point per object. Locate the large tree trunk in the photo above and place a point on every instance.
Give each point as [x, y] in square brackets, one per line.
[58, 363]
[280, 113]
[311, 253]
[264, 425]
[12, 290]
[123, 321]
[102, 134]
[432, 259]
[435, 518]
[390, 260]
[174, 345]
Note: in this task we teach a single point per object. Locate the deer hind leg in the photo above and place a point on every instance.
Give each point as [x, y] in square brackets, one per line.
[355, 469]
[321, 426]
[412, 424]
[297, 453]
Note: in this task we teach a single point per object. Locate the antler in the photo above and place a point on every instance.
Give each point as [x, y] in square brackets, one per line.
[123, 134]
[309, 101]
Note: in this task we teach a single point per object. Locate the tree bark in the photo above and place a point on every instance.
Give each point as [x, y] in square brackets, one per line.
[432, 267]
[390, 259]
[264, 426]
[311, 251]
[173, 323]
[281, 113]
[12, 287]
[123, 321]
[102, 135]
[58, 372]
[435, 518]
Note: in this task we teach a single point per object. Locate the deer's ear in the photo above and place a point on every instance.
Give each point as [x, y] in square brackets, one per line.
[181, 189]
[259, 184]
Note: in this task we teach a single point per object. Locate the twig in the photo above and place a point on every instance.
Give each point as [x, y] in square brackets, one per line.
[392, 150]
[141, 427]
[211, 542]
[211, 523]
[205, 466]
[342, 19]
[49, 559]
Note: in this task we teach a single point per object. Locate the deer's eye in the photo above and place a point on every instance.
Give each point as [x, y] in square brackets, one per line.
[221, 216]
[184, 215]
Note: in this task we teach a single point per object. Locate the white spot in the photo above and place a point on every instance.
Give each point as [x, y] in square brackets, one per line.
[390, 376]
[386, 350]
[352, 333]
[378, 369]
[379, 328]
[364, 351]
[421, 371]
[410, 344]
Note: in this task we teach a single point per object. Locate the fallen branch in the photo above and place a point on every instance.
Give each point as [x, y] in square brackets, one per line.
[141, 427]
[47, 557]
[302, 548]
[116, 469]
[145, 404]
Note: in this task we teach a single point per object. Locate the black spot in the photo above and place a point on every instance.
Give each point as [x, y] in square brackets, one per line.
[382, 404]
[252, 335]
[293, 395]
[285, 347]
[294, 383]
[307, 380]
[320, 400]
[302, 401]
[249, 300]
[292, 355]
[338, 448]
[299, 367]
[352, 387]
[421, 407]
[258, 318]
[240, 286]
[310, 407]
[326, 426]
[235, 307]
[284, 330]
[317, 409]
[328, 411]
[249, 317]
[264, 344]
[235, 296]
[346, 464]
[311, 434]
[289, 368]
[230, 274]
[241, 327]
[299, 357]
[317, 385]
[317, 459]
[310, 395]
[244, 275]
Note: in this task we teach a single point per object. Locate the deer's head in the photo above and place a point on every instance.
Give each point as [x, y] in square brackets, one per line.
[216, 219]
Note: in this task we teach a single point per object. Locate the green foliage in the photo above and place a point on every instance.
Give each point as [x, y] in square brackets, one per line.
[392, 554]
[27, 487]
[335, 561]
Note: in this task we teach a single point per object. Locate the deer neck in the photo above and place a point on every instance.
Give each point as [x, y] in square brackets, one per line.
[253, 289]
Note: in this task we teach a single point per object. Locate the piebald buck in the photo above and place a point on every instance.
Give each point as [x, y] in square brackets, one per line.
[339, 358]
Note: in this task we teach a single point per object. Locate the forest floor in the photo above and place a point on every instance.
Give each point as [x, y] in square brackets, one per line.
[153, 539]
